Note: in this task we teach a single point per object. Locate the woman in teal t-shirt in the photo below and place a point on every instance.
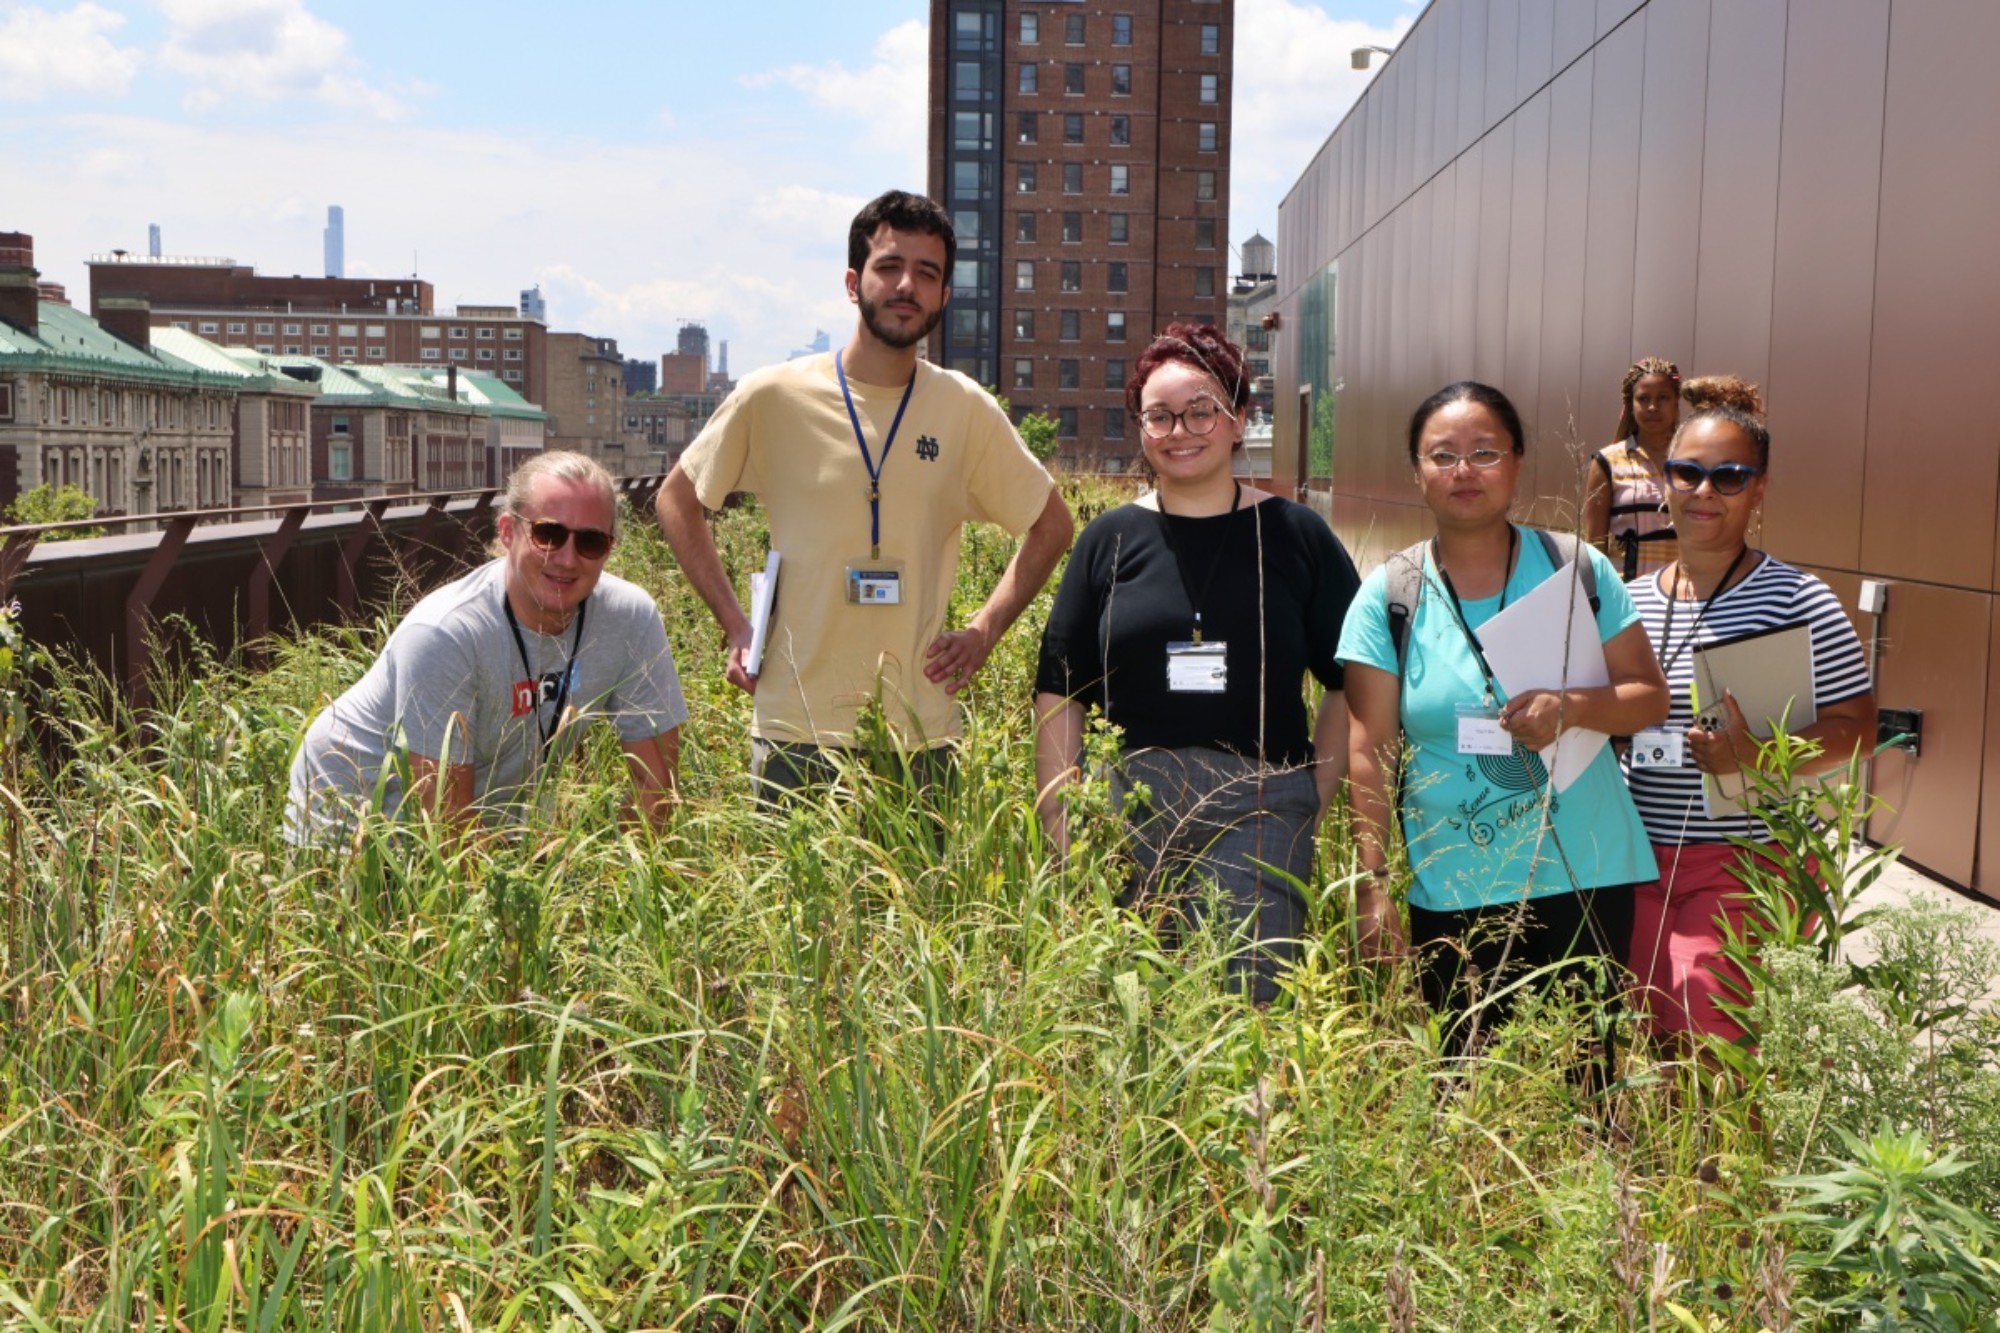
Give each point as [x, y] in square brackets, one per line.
[1486, 840]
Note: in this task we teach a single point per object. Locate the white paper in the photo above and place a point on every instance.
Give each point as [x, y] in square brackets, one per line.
[1525, 645]
[763, 601]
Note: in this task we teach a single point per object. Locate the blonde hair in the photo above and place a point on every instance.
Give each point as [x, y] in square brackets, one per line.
[559, 465]
[1706, 391]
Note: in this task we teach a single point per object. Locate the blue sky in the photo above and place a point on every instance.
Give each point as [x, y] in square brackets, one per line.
[645, 163]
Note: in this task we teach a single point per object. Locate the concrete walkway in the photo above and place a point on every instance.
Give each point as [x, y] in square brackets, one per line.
[1902, 883]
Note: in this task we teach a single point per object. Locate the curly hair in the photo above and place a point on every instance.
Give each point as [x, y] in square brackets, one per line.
[1202, 346]
[1644, 366]
[1706, 391]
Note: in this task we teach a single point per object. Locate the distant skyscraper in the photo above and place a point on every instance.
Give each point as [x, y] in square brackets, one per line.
[336, 241]
[722, 359]
[153, 240]
[533, 306]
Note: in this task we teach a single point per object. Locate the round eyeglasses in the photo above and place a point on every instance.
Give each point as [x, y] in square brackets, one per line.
[1444, 460]
[1684, 474]
[1199, 418]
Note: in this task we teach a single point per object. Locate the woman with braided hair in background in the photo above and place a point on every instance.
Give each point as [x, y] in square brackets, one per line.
[1625, 492]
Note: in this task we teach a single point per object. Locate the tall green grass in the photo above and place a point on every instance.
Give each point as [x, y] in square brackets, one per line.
[811, 1069]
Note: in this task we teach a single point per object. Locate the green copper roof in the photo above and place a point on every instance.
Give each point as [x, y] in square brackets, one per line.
[254, 372]
[71, 342]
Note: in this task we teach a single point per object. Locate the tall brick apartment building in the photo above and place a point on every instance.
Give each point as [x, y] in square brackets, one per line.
[1082, 147]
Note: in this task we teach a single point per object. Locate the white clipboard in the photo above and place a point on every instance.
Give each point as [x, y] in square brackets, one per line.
[1770, 672]
[763, 606]
[1548, 641]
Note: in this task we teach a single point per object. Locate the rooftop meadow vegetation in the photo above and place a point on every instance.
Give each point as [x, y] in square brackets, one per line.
[862, 1065]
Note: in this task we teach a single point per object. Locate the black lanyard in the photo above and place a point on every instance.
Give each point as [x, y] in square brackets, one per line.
[874, 468]
[547, 734]
[1180, 565]
[1458, 611]
[1667, 630]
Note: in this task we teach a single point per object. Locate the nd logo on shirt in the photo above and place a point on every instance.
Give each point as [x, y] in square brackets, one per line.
[927, 448]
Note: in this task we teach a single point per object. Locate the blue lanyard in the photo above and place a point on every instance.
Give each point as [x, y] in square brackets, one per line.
[874, 468]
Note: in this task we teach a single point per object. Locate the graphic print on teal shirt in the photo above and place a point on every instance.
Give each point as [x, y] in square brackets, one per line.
[1473, 823]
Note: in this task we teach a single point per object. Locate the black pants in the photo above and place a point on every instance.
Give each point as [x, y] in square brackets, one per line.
[787, 770]
[1583, 936]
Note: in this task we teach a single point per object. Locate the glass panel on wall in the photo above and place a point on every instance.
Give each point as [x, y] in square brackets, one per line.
[1315, 368]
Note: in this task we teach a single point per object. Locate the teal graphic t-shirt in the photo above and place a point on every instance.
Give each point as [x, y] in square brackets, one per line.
[1473, 823]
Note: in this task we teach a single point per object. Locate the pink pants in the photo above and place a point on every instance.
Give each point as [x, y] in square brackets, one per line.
[1677, 938]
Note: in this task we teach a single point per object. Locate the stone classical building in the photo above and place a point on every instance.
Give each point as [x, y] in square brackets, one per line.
[270, 443]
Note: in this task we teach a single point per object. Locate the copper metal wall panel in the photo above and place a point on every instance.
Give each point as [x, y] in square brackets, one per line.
[1739, 190]
[1562, 278]
[1421, 47]
[1986, 868]
[1670, 142]
[1496, 201]
[1396, 341]
[1823, 291]
[1503, 28]
[1609, 263]
[1421, 332]
[1611, 13]
[1534, 61]
[1465, 261]
[1472, 35]
[1443, 191]
[1933, 467]
[1408, 95]
[1576, 29]
[1527, 242]
[1936, 659]
[1444, 23]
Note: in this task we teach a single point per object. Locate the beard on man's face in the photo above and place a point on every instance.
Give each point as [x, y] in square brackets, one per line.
[894, 336]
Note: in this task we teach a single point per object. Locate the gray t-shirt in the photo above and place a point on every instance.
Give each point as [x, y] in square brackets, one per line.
[448, 686]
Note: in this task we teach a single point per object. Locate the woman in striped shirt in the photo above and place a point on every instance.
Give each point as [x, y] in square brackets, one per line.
[1719, 589]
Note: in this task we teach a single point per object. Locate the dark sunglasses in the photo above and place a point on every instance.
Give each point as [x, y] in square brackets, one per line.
[1684, 474]
[549, 535]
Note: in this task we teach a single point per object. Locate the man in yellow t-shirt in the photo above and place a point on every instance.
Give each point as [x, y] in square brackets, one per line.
[869, 463]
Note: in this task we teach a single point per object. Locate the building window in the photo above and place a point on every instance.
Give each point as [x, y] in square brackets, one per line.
[1205, 136]
[319, 330]
[1066, 370]
[210, 326]
[6, 402]
[486, 354]
[382, 331]
[1073, 80]
[266, 348]
[1072, 128]
[511, 376]
[458, 331]
[1211, 88]
[458, 354]
[340, 459]
[1024, 373]
[431, 354]
[1121, 178]
[1072, 276]
[969, 179]
[377, 352]
[431, 331]
[1114, 277]
[322, 350]
[1114, 326]
[1031, 28]
[1204, 282]
[1024, 275]
[969, 81]
[1121, 29]
[1211, 39]
[1121, 80]
[1024, 127]
[349, 353]
[1024, 228]
[1121, 131]
[1073, 30]
[266, 329]
[1072, 326]
[1256, 337]
[511, 335]
[486, 334]
[350, 330]
[293, 349]
[1029, 74]
[237, 326]
[1072, 178]
[1114, 423]
[971, 130]
[1024, 178]
[1114, 372]
[1066, 422]
[292, 330]
[1120, 228]
[1024, 326]
[339, 426]
[1204, 185]
[511, 354]
[1204, 233]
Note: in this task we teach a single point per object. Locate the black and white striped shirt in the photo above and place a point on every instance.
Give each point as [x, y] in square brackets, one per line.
[1773, 596]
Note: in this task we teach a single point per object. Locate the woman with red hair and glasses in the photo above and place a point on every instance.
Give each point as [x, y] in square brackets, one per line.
[1190, 618]
[1625, 493]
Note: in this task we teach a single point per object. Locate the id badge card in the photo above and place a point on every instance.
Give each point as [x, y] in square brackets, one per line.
[1197, 668]
[1657, 747]
[1480, 732]
[874, 583]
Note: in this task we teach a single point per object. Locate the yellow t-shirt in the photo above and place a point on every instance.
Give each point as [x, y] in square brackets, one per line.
[784, 436]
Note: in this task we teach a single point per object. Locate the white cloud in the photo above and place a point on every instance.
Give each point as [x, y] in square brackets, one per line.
[1293, 84]
[888, 97]
[266, 50]
[43, 51]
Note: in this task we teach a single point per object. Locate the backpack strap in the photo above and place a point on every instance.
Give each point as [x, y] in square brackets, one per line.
[1406, 589]
[1565, 548]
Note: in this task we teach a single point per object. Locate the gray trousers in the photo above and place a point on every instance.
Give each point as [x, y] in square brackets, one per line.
[1218, 819]
[784, 770]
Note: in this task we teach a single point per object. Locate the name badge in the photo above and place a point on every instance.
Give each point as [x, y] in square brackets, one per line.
[875, 583]
[1197, 668]
[1657, 747]
[1480, 732]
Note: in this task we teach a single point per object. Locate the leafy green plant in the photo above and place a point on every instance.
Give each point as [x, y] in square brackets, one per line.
[55, 504]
